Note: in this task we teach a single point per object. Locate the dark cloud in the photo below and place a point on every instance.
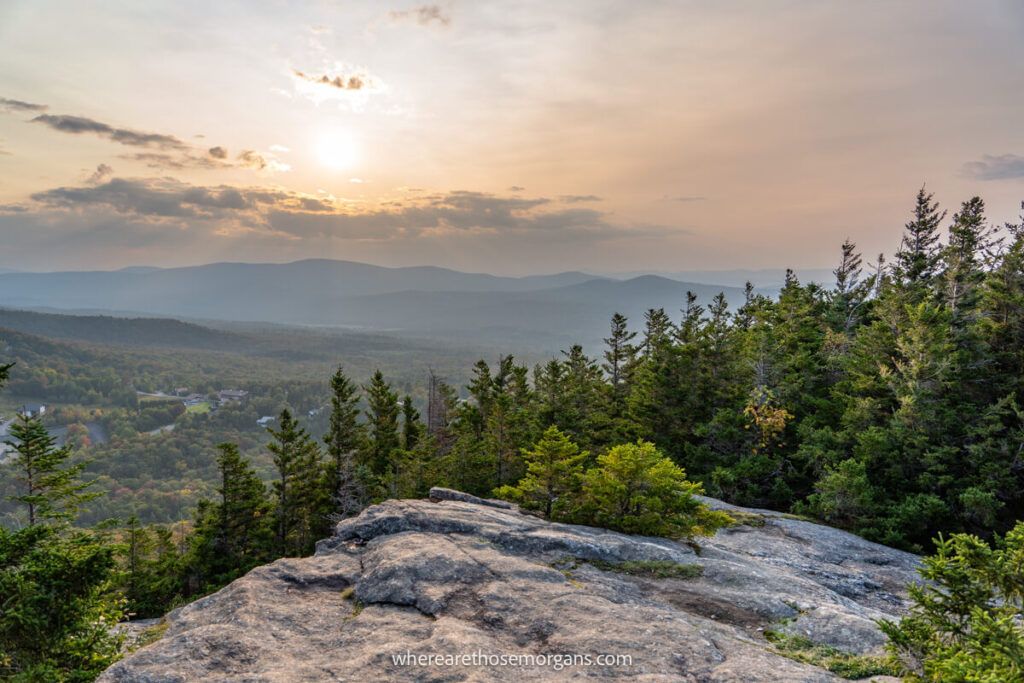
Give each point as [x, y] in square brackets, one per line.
[209, 160]
[102, 172]
[995, 167]
[277, 214]
[217, 152]
[424, 15]
[341, 82]
[578, 198]
[77, 125]
[169, 198]
[458, 212]
[12, 106]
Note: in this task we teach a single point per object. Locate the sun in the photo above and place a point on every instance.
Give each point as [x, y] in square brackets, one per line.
[337, 149]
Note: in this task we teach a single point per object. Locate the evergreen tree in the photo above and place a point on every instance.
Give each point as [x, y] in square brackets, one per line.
[345, 481]
[657, 330]
[620, 358]
[554, 470]
[412, 428]
[298, 491]
[917, 261]
[52, 490]
[383, 440]
[637, 490]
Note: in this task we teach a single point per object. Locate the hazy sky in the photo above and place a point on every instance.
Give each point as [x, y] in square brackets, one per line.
[509, 137]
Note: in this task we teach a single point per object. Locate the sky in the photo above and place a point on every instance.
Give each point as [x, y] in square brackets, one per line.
[505, 137]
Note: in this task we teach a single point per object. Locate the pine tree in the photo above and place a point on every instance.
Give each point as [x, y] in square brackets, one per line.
[379, 453]
[969, 250]
[298, 490]
[657, 331]
[52, 489]
[412, 428]
[346, 488]
[917, 261]
[620, 358]
[850, 292]
[554, 471]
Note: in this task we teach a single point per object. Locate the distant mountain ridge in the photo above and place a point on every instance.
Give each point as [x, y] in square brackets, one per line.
[547, 311]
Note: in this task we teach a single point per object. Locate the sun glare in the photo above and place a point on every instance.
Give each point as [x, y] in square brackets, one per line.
[337, 149]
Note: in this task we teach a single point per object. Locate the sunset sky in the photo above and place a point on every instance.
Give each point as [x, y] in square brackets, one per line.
[508, 137]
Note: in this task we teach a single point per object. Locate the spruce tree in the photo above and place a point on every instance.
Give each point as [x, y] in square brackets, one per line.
[298, 491]
[554, 471]
[51, 488]
[346, 488]
[619, 357]
[918, 258]
[382, 442]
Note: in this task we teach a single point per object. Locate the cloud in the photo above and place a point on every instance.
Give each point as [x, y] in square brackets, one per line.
[214, 158]
[424, 15]
[102, 172]
[516, 188]
[351, 86]
[285, 214]
[995, 167]
[687, 198]
[465, 213]
[341, 82]
[77, 125]
[578, 198]
[12, 106]
[161, 198]
[259, 162]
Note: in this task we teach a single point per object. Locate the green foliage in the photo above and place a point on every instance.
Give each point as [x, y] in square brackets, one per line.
[635, 489]
[50, 486]
[346, 485]
[967, 622]
[58, 607]
[233, 534]
[298, 489]
[843, 664]
[554, 472]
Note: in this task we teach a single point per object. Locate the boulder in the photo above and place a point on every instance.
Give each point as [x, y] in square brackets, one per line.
[459, 589]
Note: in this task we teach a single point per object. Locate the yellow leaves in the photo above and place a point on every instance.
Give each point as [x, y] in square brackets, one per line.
[768, 419]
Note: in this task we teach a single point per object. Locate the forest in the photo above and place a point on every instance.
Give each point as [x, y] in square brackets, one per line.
[889, 403]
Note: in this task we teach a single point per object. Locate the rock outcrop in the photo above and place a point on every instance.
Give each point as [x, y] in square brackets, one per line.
[516, 598]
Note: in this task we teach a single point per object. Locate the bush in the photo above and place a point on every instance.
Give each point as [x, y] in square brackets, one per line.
[966, 622]
[57, 607]
[637, 490]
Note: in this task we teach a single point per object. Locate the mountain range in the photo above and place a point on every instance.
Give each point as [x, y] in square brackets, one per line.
[542, 312]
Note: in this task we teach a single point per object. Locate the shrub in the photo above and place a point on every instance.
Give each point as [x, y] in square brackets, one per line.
[966, 622]
[637, 490]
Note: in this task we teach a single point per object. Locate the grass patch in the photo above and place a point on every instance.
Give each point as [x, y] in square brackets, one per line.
[849, 666]
[151, 635]
[347, 593]
[741, 518]
[651, 569]
[199, 408]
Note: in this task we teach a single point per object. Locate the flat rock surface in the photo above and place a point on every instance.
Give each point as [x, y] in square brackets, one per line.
[517, 598]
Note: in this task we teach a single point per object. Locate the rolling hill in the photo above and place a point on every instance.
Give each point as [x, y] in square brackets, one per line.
[540, 312]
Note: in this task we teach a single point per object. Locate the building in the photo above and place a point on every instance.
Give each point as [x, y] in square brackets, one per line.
[32, 410]
[228, 396]
[265, 420]
[193, 400]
